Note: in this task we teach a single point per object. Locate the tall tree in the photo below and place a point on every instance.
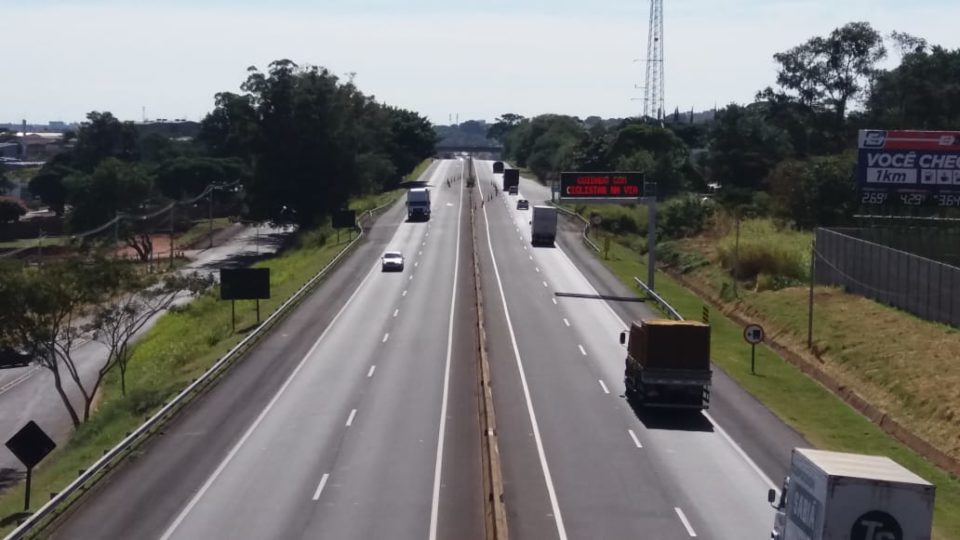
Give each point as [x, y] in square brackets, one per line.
[103, 136]
[744, 148]
[113, 187]
[923, 92]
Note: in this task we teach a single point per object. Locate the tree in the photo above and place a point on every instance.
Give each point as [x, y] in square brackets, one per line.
[832, 71]
[503, 125]
[744, 148]
[819, 191]
[113, 187]
[103, 136]
[116, 322]
[48, 183]
[11, 210]
[923, 92]
[185, 177]
[51, 302]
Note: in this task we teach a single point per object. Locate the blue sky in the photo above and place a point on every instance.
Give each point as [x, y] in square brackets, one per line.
[476, 59]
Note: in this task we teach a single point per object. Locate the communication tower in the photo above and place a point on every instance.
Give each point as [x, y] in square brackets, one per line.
[653, 89]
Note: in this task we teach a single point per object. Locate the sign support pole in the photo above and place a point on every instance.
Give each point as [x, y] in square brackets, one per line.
[813, 268]
[753, 359]
[26, 501]
[258, 311]
[233, 315]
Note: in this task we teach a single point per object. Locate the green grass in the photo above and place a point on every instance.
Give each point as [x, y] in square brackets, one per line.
[179, 348]
[766, 249]
[825, 420]
[376, 200]
[32, 242]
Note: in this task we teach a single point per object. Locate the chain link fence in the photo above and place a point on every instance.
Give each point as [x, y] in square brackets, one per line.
[920, 285]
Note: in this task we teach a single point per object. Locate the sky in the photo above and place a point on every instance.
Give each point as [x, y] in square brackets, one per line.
[475, 59]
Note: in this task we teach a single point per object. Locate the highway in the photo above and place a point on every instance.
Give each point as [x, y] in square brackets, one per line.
[356, 417]
[578, 461]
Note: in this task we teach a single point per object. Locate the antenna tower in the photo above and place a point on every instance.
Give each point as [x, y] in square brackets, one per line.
[653, 90]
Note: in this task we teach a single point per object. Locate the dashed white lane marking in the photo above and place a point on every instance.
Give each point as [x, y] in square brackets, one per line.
[353, 414]
[420, 252]
[582, 350]
[531, 257]
[565, 321]
[323, 483]
[554, 301]
[416, 264]
[372, 369]
[633, 436]
[411, 277]
[686, 523]
[396, 312]
[386, 337]
[538, 269]
[404, 293]
[545, 284]
[604, 386]
[424, 244]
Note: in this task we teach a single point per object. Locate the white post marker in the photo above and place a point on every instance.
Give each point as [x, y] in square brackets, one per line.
[753, 334]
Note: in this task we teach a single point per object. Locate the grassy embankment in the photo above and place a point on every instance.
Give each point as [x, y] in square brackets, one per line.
[856, 337]
[174, 352]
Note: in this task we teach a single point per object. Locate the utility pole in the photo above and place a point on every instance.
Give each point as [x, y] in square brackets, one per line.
[210, 217]
[813, 271]
[736, 259]
[653, 98]
[173, 210]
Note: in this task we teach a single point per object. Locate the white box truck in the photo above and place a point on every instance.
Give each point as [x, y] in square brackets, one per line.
[543, 226]
[839, 496]
[418, 204]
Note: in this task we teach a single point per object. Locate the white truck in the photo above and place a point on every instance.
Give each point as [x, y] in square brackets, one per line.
[543, 226]
[418, 204]
[839, 496]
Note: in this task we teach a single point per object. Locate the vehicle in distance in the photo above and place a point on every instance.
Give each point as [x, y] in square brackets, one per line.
[392, 261]
[668, 364]
[523, 204]
[543, 226]
[418, 204]
[511, 178]
[838, 495]
[514, 190]
[497, 167]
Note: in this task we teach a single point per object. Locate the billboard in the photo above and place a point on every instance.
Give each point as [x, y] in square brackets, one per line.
[626, 186]
[344, 219]
[244, 283]
[910, 168]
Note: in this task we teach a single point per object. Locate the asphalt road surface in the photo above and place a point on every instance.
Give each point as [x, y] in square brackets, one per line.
[579, 462]
[356, 417]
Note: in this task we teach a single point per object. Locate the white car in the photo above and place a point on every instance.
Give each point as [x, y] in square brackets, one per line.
[392, 261]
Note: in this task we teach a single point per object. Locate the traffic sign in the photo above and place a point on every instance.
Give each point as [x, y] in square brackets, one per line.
[596, 220]
[753, 333]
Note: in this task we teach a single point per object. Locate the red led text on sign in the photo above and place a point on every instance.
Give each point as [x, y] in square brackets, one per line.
[602, 186]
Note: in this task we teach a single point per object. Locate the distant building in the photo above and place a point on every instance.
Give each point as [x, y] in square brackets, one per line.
[40, 146]
[10, 150]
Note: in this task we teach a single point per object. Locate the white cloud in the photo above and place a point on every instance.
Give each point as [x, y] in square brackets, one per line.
[68, 60]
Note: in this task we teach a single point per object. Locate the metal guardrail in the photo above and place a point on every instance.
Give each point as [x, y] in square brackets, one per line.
[664, 305]
[36, 522]
[586, 225]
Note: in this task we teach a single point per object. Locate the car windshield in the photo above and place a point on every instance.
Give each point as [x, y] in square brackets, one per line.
[392, 255]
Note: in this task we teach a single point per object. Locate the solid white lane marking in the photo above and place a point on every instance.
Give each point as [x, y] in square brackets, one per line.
[263, 414]
[350, 418]
[372, 369]
[386, 337]
[404, 293]
[582, 350]
[548, 479]
[545, 284]
[736, 447]
[633, 436]
[323, 483]
[438, 468]
[604, 386]
[686, 523]
[566, 322]
[396, 312]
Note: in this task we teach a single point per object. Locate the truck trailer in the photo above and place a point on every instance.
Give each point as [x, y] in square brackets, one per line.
[835, 495]
[668, 364]
[511, 178]
[418, 204]
[543, 226]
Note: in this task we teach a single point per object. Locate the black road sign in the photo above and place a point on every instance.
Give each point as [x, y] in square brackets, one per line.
[244, 283]
[31, 445]
[344, 219]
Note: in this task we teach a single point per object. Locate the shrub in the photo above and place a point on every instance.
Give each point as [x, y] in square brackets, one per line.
[683, 216]
[765, 249]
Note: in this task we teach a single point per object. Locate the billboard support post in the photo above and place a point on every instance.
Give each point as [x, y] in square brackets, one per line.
[651, 240]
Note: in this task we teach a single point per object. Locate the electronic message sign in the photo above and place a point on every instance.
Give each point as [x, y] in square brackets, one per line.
[625, 186]
[911, 168]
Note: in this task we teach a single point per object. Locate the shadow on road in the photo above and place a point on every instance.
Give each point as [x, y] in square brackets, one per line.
[672, 419]
[269, 245]
[601, 297]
